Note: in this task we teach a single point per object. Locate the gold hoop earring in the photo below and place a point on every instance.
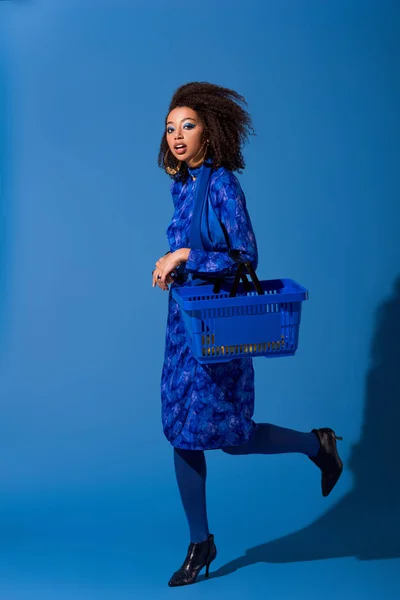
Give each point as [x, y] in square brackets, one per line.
[171, 170]
[200, 162]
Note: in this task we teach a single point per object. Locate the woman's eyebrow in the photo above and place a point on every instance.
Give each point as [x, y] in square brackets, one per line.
[185, 119]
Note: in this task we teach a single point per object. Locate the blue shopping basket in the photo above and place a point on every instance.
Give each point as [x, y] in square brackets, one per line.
[240, 322]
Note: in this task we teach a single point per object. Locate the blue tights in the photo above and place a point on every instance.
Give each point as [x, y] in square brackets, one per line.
[191, 469]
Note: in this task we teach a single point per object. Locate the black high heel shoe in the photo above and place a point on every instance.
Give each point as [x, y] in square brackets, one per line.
[328, 459]
[199, 555]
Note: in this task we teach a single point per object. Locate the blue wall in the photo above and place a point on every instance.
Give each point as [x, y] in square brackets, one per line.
[84, 90]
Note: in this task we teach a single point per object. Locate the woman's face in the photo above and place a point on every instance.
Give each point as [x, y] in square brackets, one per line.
[184, 134]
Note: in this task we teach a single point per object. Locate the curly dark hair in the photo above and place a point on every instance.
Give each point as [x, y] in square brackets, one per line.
[226, 124]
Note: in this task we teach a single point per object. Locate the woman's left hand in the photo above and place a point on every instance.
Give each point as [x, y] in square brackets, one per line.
[165, 266]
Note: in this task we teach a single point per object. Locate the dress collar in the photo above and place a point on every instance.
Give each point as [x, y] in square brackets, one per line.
[196, 171]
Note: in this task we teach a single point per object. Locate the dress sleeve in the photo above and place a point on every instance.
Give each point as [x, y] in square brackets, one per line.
[229, 202]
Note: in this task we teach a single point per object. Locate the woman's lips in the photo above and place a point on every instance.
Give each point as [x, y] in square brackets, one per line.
[180, 150]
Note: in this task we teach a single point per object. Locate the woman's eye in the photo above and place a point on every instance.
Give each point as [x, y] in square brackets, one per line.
[186, 126]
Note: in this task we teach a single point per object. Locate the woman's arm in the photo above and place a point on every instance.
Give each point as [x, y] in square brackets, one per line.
[230, 205]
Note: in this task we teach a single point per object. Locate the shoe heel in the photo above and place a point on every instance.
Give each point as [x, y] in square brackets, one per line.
[208, 565]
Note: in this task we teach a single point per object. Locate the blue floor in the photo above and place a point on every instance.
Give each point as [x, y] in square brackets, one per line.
[121, 541]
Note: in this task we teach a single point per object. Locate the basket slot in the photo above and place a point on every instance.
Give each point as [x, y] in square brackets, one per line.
[290, 324]
[242, 350]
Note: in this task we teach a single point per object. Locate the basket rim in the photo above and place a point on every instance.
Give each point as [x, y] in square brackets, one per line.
[205, 299]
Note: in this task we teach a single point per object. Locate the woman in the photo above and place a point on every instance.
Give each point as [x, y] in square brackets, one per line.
[210, 406]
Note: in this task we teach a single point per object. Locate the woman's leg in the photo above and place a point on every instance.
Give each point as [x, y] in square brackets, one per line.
[272, 439]
[191, 472]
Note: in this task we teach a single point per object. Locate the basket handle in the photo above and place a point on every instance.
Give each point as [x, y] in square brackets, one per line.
[240, 274]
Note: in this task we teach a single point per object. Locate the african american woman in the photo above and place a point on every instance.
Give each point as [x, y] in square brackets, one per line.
[210, 406]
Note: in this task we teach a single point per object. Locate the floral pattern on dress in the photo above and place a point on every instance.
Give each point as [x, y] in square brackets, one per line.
[206, 406]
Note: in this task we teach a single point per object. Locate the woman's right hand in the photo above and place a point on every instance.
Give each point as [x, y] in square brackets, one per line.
[158, 282]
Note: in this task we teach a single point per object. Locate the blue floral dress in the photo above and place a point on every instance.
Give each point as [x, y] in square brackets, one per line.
[206, 406]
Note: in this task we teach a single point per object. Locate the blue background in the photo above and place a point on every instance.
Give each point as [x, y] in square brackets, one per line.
[89, 502]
